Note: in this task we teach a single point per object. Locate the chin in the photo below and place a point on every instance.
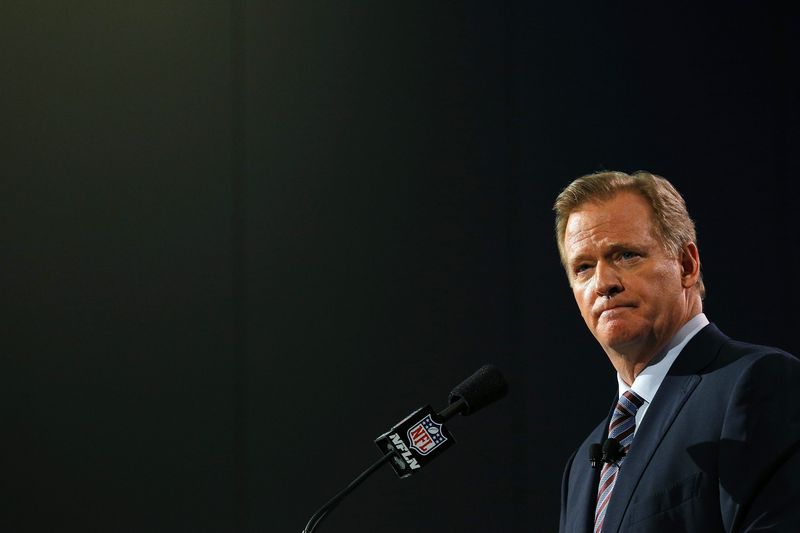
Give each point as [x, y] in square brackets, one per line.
[619, 338]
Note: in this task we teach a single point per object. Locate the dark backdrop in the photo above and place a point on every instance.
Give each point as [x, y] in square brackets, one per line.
[241, 239]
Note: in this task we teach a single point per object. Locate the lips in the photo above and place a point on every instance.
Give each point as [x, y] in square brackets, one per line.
[614, 307]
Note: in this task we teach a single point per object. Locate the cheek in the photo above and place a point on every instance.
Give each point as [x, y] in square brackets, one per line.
[583, 298]
[664, 287]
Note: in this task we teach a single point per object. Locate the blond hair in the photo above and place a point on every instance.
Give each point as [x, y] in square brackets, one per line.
[671, 222]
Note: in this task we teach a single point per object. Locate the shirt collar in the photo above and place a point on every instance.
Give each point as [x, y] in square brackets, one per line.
[647, 382]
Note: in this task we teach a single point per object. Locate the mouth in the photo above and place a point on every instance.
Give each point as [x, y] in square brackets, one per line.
[613, 311]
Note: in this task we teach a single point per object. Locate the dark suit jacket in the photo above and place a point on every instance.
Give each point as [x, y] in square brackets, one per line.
[718, 450]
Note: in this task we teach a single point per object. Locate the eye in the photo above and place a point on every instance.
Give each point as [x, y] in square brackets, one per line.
[583, 267]
[628, 256]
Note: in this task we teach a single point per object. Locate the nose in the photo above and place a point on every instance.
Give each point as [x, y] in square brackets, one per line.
[607, 280]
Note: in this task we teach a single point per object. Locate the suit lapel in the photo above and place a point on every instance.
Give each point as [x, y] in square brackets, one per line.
[676, 388]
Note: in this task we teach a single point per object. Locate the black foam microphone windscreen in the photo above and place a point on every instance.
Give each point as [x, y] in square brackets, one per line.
[595, 454]
[483, 387]
[612, 450]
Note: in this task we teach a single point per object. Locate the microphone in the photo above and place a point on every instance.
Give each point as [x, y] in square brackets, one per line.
[421, 436]
[595, 454]
[485, 386]
[612, 451]
[609, 452]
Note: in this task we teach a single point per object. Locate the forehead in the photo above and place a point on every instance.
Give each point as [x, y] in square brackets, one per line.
[625, 218]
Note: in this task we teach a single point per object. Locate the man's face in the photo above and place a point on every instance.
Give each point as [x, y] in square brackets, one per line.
[628, 289]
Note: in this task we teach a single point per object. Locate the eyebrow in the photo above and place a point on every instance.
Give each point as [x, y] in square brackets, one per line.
[609, 249]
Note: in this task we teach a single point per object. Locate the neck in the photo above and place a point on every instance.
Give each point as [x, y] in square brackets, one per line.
[628, 369]
[629, 361]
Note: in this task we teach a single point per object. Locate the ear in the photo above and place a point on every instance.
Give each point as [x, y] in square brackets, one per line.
[690, 265]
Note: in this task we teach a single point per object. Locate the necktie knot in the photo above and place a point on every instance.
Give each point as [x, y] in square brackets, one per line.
[630, 402]
[623, 421]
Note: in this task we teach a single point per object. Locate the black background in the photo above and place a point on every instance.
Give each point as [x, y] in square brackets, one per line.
[242, 239]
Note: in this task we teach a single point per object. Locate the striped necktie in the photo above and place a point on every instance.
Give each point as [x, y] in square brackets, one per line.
[622, 426]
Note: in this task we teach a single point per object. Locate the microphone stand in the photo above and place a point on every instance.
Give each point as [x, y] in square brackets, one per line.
[445, 414]
[333, 502]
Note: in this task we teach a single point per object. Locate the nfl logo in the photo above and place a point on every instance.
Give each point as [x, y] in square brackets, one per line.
[426, 436]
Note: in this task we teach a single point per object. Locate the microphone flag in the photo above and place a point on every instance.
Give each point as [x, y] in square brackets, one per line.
[415, 441]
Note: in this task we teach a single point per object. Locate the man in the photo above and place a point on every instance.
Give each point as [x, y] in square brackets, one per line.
[704, 433]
